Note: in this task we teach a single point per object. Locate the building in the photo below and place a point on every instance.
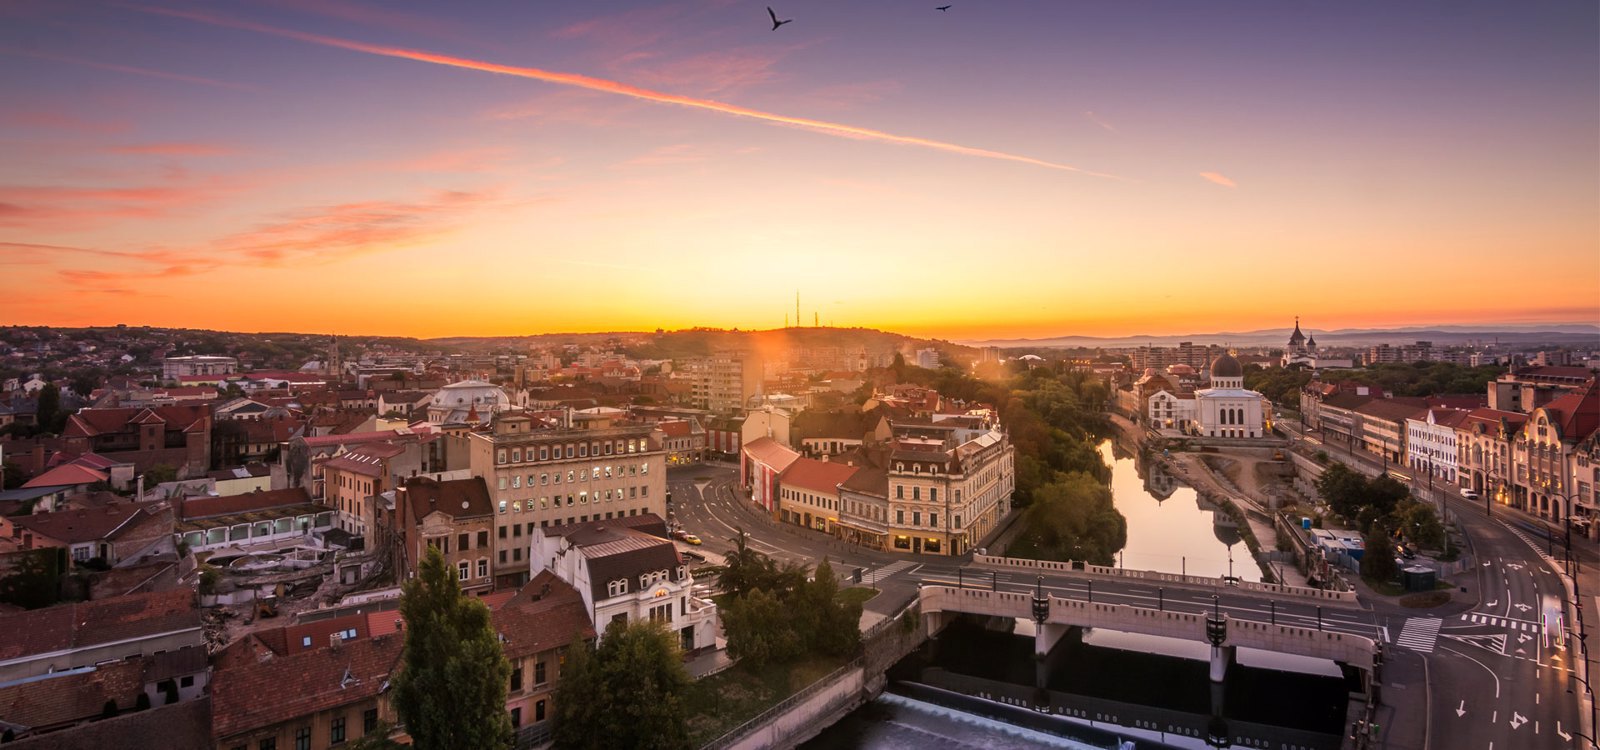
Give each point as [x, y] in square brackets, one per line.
[1483, 451]
[114, 534]
[628, 570]
[928, 359]
[946, 491]
[725, 381]
[1383, 426]
[83, 634]
[241, 479]
[684, 440]
[864, 507]
[1227, 409]
[1528, 388]
[351, 480]
[339, 693]
[1545, 452]
[809, 494]
[468, 402]
[255, 521]
[536, 626]
[1431, 443]
[454, 517]
[178, 436]
[541, 476]
[174, 369]
[761, 461]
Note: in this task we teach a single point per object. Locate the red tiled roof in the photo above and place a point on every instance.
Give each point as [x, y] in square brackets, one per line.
[770, 452]
[1490, 420]
[318, 632]
[324, 441]
[89, 422]
[72, 697]
[69, 626]
[545, 614]
[207, 507]
[1576, 415]
[66, 476]
[79, 526]
[1392, 410]
[461, 498]
[186, 724]
[675, 428]
[247, 696]
[817, 476]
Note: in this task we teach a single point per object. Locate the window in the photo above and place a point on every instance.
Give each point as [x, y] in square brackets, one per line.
[538, 711]
[516, 482]
[502, 532]
[336, 731]
[302, 738]
[933, 520]
[516, 455]
[958, 520]
[483, 539]
[544, 479]
[900, 517]
[899, 492]
[502, 506]
[538, 673]
[270, 743]
[461, 570]
[462, 540]
[516, 718]
[516, 555]
[916, 518]
[369, 720]
[933, 494]
[544, 454]
[516, 680]
[186, 681]
[916, 493]
[502, 553]
[483, 567]
[500, 456]
[502, 483]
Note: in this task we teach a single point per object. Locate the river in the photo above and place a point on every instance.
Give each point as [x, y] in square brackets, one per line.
[973, 689]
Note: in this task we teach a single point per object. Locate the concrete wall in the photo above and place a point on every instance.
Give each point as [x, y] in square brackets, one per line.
[809, 716]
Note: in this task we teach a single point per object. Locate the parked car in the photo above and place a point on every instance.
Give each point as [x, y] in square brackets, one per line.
[1469, 494]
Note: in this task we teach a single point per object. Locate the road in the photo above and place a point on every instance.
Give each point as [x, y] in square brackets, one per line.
[1496, 675]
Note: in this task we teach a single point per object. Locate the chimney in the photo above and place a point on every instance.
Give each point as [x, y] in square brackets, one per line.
[334, 640]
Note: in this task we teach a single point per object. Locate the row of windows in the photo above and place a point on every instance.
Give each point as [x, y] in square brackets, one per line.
[582, 498]
[916, 519]
[620, 470]
[916, 493]
[336, 733]
[809, 499]
[463, 571]
[570, 450]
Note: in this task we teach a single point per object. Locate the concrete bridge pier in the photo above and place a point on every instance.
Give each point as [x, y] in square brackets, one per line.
[1222, 657]
[1045, 640]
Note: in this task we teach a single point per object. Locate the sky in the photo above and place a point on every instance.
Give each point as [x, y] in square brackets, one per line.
[1000, 169]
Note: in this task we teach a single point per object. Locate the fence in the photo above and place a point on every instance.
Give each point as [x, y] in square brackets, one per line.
[782, 707]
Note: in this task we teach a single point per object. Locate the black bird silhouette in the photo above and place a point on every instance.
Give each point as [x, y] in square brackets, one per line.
[943, 7]
[775, 22]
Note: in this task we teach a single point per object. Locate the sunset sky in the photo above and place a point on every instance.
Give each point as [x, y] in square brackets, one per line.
[1002, 169]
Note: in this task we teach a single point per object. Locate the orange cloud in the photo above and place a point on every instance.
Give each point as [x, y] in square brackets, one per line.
[40, 204]
[1219, 179]
[340, 231]
[623, 89]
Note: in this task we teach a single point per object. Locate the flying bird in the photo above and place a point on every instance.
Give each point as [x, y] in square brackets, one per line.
[943, 7]
[775, 22]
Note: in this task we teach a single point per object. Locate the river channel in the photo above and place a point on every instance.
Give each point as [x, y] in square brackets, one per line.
[977, 688]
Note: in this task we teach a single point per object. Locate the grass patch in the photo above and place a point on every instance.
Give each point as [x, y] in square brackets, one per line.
[857, 594]
[1425, 600]
[1385, 588]
[729, 698]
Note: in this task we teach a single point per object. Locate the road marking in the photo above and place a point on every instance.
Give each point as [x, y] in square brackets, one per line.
[1564, 735]
[1517, 720]
[1461, 710]
[1485, 668]
[1420, 634]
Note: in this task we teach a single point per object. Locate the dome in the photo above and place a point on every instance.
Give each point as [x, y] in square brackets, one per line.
[1227, 367]
[1297, 338]
[1180, 369]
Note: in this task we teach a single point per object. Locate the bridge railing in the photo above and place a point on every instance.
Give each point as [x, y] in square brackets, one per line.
[1352, 649]
[1083, 568]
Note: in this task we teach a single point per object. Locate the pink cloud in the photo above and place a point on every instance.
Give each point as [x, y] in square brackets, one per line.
[36, 205]
[1218, 179]
[175, 149]
[1101, 121]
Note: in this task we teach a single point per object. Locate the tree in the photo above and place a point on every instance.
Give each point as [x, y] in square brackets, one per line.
[376, 739]
[11, 476]
[1073, 518]
[831, 627]
[297, 462]
[158, 474]
[1419, 522]
[35, 580]
[760, 629]
[1385, 493]
[627, 693]
[85, 382]
[451, 688]
[50, 409]
[1343, 489]
[1377, 561]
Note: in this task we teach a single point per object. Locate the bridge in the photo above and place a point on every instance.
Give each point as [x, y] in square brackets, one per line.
[1057, 616]
[1274, 591]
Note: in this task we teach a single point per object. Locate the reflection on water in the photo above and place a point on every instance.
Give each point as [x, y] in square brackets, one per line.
[898, 722]
[1170, 528]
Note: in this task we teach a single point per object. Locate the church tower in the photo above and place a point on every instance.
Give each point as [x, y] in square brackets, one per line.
[1297, 340]
[334, 366]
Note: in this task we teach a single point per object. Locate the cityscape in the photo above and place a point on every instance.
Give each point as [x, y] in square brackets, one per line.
[707, 374]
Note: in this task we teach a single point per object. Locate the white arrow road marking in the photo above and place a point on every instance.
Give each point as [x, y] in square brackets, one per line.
[1523, 607]
[1494, 603]
[1461, 710]
[1523, 638]
[1564, 735]
[1517, 720]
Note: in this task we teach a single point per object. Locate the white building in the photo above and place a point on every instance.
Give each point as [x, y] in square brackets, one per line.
[928, 359]
[626, 569]
[467, 401]
[1172, 411]
[1431, 443]
[173, 368]
[1226, 409]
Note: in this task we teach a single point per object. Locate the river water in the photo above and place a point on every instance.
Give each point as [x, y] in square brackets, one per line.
[976, 688]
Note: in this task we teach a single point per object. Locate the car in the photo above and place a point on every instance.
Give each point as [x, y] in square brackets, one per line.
[691, 539]
[1470, 494]
[677, 533]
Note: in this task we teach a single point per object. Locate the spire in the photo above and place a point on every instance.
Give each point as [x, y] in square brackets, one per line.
[1297, 338]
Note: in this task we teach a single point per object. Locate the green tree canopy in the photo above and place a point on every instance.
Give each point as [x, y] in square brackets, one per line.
[1377, 561]
[1073, 518]
[451, 688]
[1419, 523]
[628, 692]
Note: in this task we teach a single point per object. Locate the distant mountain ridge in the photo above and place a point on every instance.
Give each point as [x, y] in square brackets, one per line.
[1550, 333]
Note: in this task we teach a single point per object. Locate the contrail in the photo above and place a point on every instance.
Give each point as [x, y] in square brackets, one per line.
[129, 69]
[618, 88]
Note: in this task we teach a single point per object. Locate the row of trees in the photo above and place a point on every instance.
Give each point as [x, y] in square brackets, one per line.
[1383, 509]
[777, 614]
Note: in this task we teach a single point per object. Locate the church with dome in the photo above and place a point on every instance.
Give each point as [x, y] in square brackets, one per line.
[1302, 349]
[1224, 409]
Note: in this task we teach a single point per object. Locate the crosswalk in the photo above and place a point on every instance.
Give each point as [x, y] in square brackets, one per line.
[1502, 622]
[1420, 634]
[893, 569]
